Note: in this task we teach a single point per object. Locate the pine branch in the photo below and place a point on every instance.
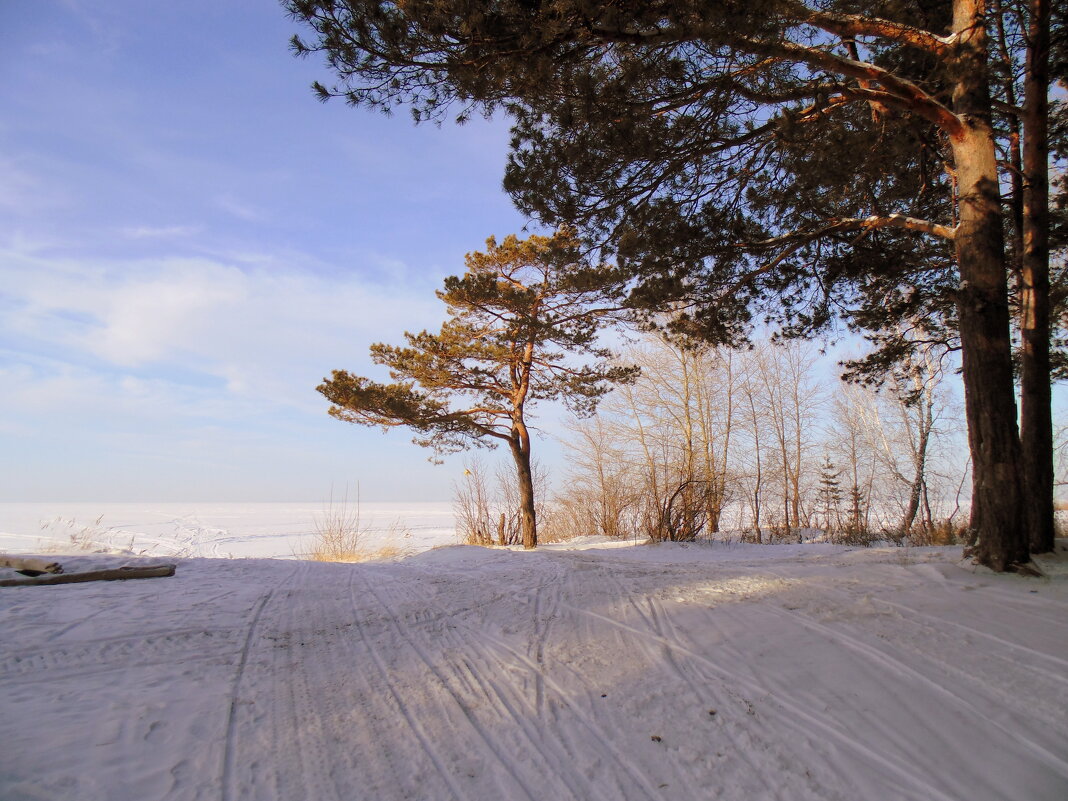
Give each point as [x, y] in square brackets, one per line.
[857, 25]
[915, 99]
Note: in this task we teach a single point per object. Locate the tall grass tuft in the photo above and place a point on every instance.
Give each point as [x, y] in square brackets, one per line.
[340, 536]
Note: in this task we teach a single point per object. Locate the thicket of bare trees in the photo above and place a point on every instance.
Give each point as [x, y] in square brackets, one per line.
[487, 506]
[758, 441]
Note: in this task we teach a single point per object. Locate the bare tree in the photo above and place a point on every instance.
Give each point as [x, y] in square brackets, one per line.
[471, 504]
[894, 436]
[680, 413]
[851, 440]
[789, 401]
[600, 493]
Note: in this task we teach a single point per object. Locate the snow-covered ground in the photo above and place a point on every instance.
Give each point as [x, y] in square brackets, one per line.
[590, 671]
[275, 530]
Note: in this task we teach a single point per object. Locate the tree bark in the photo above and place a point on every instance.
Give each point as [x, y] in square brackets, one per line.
[982, 302]
[1036, 418]
[520, 445]
[916, 490]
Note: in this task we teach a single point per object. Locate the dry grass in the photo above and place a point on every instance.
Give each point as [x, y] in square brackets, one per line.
[67, 535]
[341, 537]
[337, 532]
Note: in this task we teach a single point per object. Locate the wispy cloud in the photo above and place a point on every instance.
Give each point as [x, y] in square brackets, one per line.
[159, 231]
[270, 333]
[239, 208]
[23, 191]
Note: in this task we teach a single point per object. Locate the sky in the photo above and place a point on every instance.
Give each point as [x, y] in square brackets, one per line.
[190, 241]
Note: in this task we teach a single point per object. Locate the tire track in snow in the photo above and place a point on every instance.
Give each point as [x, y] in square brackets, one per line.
[317, 701]
[115, 653]
[306, 704]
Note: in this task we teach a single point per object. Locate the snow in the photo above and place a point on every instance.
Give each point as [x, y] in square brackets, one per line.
[275, 530]
[586, 671]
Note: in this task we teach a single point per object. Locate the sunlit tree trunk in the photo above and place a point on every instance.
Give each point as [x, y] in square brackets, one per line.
[520, 447]
[982, 303]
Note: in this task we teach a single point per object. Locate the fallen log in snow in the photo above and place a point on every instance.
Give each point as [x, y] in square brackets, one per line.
[107, 574]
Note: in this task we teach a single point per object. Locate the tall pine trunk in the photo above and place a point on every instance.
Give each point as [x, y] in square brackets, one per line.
[982, 303]
[1036, 418]
[520, 446]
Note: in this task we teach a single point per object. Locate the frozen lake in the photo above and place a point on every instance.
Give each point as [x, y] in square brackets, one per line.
[279, 530]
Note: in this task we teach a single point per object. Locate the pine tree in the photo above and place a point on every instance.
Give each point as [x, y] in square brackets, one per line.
[829, 495]
[520, 309]
[650, 124]
[857, 512]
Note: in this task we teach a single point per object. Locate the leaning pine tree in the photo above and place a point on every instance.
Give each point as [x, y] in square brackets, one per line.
[517, 313]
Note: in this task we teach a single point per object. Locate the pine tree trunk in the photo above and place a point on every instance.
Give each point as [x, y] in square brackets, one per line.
[982, 302]
[1036, 419]
[520, 445]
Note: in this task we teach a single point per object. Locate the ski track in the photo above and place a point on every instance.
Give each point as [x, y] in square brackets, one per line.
[521, 677]
[412, 721]
[405, 634]
[229, 750]
[931, 655]
[800, 714]
[898, 668]
[486, 673]
[1061, 676]
[660, 624]
[655, 645]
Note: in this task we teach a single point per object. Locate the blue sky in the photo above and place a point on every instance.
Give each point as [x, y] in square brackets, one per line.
[190, 241]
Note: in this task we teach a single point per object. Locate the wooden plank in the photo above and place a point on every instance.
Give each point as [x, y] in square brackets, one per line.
[109, 574]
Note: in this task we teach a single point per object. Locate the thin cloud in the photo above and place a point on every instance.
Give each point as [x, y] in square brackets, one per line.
[239, 208]
[160, 231]
[270, 333]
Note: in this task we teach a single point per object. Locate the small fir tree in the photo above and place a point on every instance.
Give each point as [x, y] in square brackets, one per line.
[520, 309]
[829, 495]
[857, 512]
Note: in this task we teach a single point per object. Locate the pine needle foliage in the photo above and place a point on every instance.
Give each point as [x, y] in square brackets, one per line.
[517, 319]
[762, 159]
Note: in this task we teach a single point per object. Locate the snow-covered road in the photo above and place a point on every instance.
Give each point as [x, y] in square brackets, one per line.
[606, 673]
